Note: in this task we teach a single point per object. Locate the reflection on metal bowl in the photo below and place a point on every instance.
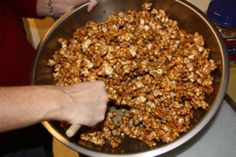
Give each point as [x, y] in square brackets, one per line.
[190, 19]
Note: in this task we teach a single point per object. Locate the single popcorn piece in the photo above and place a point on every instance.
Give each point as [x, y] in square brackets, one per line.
[86, 44]
[155, 73]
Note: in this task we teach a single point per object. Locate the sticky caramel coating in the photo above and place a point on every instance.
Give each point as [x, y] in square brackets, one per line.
[155, 72]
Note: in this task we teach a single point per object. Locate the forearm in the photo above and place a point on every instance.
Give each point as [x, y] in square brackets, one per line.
[23, 106]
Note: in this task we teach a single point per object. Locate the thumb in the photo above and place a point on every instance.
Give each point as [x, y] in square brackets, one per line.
[92, 4]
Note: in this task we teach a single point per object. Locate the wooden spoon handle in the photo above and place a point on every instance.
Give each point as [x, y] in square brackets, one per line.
[72, 130]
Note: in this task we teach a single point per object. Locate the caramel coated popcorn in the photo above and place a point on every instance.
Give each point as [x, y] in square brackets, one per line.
[156, 74]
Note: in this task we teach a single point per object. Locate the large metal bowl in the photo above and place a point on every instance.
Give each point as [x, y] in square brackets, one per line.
[190, 19]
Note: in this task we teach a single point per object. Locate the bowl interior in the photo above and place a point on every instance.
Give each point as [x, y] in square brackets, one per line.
[189, 18]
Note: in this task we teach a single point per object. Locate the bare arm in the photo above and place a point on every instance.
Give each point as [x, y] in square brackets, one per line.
[83, 103]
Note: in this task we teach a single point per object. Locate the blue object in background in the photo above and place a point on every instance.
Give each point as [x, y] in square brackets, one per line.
[223, 12]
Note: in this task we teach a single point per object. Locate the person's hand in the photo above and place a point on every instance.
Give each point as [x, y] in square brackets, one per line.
[62, 6]
[86, 105]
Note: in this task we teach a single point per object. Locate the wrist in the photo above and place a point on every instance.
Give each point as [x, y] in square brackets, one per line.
[60, 100]
[48, 8]
[54, 8]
